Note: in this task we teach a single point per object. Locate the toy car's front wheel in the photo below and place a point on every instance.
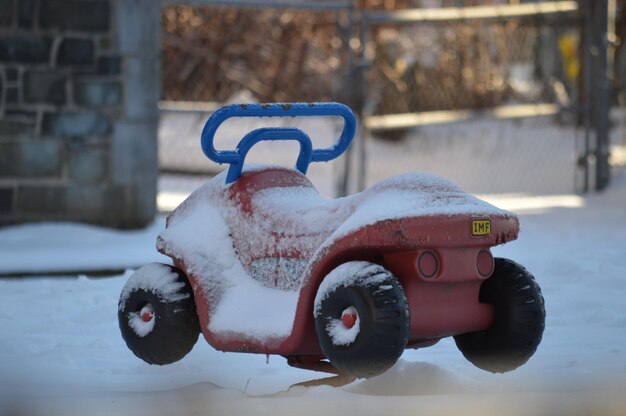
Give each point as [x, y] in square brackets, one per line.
[519, 317]
[157, 314]
[361, 319]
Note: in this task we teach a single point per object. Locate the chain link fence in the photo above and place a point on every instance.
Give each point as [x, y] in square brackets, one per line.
[272, 52]
[487, 99]
[490, 95]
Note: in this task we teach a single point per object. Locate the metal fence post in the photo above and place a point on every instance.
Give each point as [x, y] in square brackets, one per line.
[599, 42]
[350, 96]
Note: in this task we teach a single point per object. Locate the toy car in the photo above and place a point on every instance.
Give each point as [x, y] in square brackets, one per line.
[263, 264]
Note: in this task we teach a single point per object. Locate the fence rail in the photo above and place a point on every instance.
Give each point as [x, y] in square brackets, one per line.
[265, 4]
[496, 11]
[429, 118]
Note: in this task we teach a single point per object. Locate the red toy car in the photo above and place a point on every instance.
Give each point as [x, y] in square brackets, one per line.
[263, 264]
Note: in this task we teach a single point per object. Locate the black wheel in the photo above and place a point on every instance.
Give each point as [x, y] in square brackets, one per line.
[519, 320]
[361, 319]
[157, 314]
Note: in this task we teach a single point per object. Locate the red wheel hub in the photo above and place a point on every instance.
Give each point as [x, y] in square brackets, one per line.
[349, 317]
[147, 313]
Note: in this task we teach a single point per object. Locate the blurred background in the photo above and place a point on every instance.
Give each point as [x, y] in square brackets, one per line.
[504, 97]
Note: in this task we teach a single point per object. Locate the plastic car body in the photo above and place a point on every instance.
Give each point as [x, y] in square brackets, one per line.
[256, 245]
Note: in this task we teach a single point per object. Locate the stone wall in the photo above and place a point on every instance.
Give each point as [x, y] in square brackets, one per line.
[79, 87]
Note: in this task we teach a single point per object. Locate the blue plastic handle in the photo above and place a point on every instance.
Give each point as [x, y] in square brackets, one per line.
[307, 155]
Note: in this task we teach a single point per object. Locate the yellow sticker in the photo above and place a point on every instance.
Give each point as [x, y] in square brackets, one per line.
[481, 227]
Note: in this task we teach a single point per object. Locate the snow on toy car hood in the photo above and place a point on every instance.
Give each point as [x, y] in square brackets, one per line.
[412, 195]
[250, 265]
[199, 234]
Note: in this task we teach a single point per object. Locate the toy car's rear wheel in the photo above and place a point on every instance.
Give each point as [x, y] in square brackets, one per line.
[157, 314]
[518, 322]
[361, 319]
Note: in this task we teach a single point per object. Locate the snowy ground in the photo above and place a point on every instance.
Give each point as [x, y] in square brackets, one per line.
[61, 352]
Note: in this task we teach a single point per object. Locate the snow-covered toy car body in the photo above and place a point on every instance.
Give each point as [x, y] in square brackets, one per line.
[263, 264]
